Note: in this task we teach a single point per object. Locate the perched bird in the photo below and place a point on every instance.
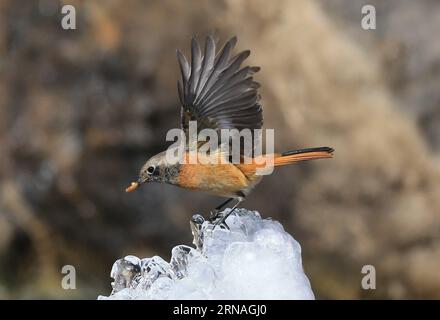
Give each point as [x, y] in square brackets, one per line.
[218, 94]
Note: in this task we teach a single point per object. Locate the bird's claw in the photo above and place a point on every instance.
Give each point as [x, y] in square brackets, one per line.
[221, 223]
[214, 215]
[218, 219]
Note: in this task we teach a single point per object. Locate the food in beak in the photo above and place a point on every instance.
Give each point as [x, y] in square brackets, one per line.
[132, 187]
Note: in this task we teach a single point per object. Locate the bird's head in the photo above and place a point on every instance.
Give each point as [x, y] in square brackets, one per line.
[152, 171]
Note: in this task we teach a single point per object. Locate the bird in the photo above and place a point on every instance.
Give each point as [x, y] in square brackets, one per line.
[217, 93]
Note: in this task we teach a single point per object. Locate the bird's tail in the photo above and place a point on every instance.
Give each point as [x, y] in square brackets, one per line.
[290, 157]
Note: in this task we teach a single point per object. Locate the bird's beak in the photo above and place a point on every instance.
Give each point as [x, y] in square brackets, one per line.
[134, 185]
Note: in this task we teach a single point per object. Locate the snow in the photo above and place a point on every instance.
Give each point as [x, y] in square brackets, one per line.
[255, 259]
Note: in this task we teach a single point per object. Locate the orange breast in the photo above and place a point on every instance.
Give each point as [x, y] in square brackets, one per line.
[221, 179]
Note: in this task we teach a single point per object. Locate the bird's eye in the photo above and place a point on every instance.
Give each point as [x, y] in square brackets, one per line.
[150, 169]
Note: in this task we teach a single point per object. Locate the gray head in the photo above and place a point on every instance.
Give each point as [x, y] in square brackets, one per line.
[156, 169]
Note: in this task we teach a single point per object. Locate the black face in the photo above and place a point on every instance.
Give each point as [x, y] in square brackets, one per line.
[150, 173]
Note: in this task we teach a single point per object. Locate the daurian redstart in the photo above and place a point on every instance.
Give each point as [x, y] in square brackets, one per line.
[218, 94]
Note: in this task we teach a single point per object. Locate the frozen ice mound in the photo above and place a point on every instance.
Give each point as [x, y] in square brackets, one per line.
[255, 259]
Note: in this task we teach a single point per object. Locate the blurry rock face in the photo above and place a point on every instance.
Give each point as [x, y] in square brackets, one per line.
[404, 44]
[254, 259]
[81, 110]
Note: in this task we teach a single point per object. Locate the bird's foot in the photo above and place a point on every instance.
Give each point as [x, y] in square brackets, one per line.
[217, 218]
[222, 224]
[214, 215]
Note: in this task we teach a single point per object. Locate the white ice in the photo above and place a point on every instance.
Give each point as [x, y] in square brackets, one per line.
[255, 259]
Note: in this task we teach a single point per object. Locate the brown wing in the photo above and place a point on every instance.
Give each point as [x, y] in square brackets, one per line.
[215, 92]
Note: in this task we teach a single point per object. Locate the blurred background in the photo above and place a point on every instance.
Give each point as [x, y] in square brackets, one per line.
[81, 110]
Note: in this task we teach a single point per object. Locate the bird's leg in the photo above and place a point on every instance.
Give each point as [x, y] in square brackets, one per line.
[215, 213]
[222, 221]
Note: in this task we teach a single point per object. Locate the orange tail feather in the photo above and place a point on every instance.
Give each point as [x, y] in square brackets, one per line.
[303, 155]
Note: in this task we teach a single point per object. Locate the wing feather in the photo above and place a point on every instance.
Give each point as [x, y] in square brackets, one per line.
[214, 89]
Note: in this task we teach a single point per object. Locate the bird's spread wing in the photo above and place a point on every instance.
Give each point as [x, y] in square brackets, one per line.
[215, 91]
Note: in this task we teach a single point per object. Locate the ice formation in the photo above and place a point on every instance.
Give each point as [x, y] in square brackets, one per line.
[255, 259]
